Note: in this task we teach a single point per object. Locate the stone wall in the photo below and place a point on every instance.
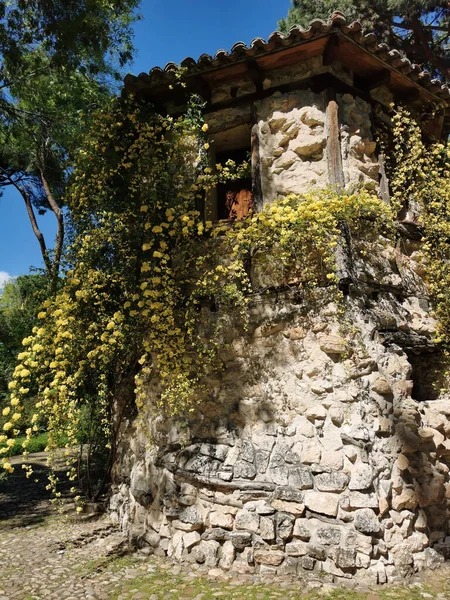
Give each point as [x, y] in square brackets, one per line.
[317, 448]
[292, 132]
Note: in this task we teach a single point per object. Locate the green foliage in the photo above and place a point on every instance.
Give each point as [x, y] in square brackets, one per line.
[19, 304]
[60, 62]
[419, 174]
[73, 33]
[144, 265]
[419, 28]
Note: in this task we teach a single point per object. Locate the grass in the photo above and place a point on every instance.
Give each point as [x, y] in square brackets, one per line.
[164, 586]
[37, 443]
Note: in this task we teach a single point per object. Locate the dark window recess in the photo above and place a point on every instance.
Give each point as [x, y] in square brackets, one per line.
[234, 198]
[428, 375]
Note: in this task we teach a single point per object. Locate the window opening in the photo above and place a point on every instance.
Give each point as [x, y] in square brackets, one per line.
[234, 198]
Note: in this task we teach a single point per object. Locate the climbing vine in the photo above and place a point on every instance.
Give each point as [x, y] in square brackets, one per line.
[143, 264]
[420, 182]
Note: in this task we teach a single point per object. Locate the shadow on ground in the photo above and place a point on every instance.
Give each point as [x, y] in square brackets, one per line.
[26, 501]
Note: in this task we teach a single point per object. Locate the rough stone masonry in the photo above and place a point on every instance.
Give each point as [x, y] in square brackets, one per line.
[324, 446]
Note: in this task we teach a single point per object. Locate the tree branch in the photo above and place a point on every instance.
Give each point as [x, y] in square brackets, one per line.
[419, 32]
[32, 217]
[56, 209]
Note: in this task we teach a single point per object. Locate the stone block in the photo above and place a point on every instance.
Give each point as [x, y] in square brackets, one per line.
[407, 499]
[321, 502]
[261, 507]
[241, 539]
[191, 539]
[206, 553]
[300, 478]
[308, 563]
[293, 508]
[336, 413]
[346, 558]
[247, 521]
[267, 529]
[302, 529]
[228, 554]
[366, 521]
[244, 470]
[285, 525]
[220, 519]
[328, 535]
[311, 452]
[381, 386]
[361, 478]
[297, 548]
[331, 482]
[272, 558]
[332, 459]
[316, 413]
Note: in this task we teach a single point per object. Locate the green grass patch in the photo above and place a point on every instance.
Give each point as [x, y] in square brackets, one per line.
[37, 443]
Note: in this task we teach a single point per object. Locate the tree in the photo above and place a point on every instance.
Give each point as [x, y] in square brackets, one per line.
[419, 28]
[59, 63]
[19, 303]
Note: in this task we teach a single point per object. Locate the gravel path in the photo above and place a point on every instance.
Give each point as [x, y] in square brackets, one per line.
[48, 555]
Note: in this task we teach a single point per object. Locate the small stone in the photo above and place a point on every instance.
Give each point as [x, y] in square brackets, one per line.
[336, 413]
[228, 555]
[402, 462]
[311, 452]
[332, 344]
[300, 478]
[407, 499]
[220, 519]
[316, 413]
[301, 529]
[346, 558]
[381, 386]
[191, 539]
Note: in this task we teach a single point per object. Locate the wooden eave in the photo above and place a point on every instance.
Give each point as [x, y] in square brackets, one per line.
[366, 63]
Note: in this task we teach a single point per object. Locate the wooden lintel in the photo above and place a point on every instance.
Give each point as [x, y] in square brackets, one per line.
[378, 79]
[331, 50]
[316, 83]
[256, 74]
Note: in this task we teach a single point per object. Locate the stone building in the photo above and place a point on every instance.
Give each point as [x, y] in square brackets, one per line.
[317, 451]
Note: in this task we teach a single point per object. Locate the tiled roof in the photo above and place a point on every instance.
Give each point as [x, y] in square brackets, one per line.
[297, 35]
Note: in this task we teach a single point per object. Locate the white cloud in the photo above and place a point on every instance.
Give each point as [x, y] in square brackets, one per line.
[4, 277]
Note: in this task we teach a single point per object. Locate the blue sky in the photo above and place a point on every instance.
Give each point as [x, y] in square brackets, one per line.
[170, 31]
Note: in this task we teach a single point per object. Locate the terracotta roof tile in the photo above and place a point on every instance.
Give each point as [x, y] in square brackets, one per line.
[277, 40]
